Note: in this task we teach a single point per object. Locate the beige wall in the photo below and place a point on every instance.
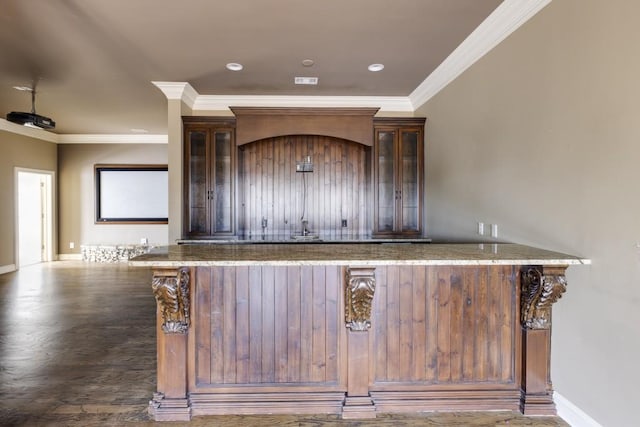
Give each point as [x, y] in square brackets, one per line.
[175, 110]
[24, 152]
[542, 137]
[76, 195]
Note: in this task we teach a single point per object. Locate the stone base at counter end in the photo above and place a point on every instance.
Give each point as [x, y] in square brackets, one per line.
[112, 253]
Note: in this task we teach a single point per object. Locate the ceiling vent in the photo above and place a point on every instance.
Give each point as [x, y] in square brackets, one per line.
[306, 80]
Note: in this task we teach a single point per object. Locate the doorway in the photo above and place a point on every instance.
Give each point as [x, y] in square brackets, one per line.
[34, 216]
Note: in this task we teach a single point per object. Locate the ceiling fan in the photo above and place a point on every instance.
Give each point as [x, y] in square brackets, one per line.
[31, 119]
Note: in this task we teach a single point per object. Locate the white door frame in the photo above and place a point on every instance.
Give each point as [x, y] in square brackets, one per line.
[48, 238]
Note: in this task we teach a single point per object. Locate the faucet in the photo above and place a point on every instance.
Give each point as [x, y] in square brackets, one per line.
[264, 228]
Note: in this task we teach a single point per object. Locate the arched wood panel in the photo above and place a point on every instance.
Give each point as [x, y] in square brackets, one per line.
[257, 123]
[272, 193]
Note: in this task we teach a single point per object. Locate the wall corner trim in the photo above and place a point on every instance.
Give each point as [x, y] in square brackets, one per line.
[573, 415]
[7, 268]
[69, 257]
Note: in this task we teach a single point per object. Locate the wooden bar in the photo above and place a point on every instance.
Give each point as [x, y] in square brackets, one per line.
[353, 329]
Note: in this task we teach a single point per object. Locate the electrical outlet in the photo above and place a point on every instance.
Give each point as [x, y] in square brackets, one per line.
[72, 245]
[481, 228]
[344, 222]
[494, 230]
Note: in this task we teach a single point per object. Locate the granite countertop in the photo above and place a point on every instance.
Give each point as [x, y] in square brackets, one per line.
[361, 254]
[299, 240]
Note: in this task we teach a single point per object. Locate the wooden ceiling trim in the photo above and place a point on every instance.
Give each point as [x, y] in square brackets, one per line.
[256, 123]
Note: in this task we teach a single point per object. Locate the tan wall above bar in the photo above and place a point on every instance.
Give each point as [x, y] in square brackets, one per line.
[354, 124]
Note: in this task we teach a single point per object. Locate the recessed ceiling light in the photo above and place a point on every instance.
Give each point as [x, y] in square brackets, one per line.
[234, 66]
[376, 67]
[307, 62]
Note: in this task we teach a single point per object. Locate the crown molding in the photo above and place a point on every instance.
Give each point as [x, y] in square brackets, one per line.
[178, 90]
[27, 131]
[112, 139]
[504, 20]
[44, 135]
[223, 102]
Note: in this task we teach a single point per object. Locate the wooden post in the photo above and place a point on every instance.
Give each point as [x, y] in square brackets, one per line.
[171, 289]
[541, 287]
[360, 286]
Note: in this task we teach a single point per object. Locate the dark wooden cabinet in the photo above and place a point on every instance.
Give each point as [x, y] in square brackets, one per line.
[229, 195]
[398, 176]
[209, 155]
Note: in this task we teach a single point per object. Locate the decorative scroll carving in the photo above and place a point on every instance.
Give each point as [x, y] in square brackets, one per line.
[539, 292]
[359, 289]
[171, 289]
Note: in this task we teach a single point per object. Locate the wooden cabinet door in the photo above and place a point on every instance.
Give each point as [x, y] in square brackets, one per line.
[409, 214]
[197, 191]
[386, 191]
[221, 181]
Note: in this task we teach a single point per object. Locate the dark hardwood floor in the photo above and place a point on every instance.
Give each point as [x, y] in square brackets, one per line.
[77, 348]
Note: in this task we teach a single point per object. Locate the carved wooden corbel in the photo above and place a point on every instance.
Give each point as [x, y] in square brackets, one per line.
[171, 289]
[359, 289]
[540, 289]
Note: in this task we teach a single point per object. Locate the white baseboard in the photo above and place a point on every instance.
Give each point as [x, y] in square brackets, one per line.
[573, 415]
[7, 268]
[69, 257]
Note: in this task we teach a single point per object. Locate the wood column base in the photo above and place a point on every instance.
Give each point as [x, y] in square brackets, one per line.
[162, 409]
[542, 404]
[358, 408]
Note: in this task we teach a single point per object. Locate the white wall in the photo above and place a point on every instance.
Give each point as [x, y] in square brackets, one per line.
[542, 137]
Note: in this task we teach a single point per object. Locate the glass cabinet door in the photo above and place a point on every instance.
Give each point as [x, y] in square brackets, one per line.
[222, 182]
[209, 181]
[198, 194]
[386, 181]
[410, 191]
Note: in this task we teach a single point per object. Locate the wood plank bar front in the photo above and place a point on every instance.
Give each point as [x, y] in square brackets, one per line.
[353, 338]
